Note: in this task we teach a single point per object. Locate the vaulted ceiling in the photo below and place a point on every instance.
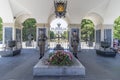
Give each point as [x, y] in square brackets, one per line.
[41, 10]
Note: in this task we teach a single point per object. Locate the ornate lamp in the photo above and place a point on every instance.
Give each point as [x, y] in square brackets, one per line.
[60, 8]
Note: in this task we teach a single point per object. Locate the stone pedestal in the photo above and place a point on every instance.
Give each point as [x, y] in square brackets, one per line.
[41, 69]
[58, 47]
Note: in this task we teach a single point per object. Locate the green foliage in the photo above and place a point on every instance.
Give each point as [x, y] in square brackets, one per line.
[52, 35]
[65, 34]
[1, 32]
[117, 28]
[60, 58]
[87, 30]
[29, 28]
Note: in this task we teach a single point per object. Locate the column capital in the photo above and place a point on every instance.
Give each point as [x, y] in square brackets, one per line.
[42, 25]
[108, 26]
[8, 24]
[74, 25]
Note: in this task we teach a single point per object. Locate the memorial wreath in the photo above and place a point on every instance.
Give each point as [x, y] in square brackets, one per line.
[60, 58]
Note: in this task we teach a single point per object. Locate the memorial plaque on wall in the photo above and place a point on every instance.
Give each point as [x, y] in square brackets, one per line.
[68, 35]
[18, 35]
[108, 35]
[98, 36]
[75, 29]
[8, 34]
[41, 29]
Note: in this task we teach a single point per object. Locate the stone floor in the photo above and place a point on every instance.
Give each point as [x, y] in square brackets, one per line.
[20, 67]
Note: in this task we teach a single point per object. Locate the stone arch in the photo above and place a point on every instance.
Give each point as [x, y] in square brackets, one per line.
[87, 30]
[20, 19]
[53, 16]
[29, 27]
[95, 18]
[18, 27]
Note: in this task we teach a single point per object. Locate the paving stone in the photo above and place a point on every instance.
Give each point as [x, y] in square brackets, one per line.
[20, 67]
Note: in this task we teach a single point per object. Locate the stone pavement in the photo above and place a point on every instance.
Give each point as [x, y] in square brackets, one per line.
[20, 67]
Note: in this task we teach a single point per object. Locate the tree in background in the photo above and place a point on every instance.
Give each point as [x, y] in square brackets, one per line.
[65, 35]
[52, 35]
[87, 30]
[29, 28]
[117, 28]
[1, 29]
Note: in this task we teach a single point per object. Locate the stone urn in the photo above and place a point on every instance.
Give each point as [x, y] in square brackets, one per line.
[105, 44]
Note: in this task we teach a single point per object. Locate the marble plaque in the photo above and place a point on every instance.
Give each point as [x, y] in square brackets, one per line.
[8, 34]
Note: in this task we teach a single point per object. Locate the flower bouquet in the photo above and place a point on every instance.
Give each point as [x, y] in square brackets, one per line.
[60, 58]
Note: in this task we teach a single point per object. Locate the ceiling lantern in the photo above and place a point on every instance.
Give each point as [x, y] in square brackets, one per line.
[60, 8]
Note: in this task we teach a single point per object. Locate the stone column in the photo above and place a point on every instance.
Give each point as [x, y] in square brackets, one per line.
[69, 29]
[109, 32]
[103, 27]
[40, 25]
[48, 36]
[74, 26]
[7, 32]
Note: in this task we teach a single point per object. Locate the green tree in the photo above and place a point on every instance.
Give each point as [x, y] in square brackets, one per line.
[29, 28]
[87, 30]
[1, 32]
[117, 28]
[65, 34]
[52, 35]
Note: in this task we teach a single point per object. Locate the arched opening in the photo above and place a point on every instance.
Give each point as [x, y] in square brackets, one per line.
[29, 32]
[20, 22]
[58, 33]
[1, 31]
[96, 18]
[97, 21]
[116, 36]
[87, 33]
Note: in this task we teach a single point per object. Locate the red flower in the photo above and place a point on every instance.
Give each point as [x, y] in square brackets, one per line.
[60, 57]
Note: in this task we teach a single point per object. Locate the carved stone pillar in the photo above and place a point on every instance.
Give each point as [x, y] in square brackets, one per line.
[42, 26]
[8, 33]
[76, 27]
[106, 32]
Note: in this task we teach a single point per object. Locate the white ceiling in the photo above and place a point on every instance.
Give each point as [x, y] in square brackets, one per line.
[76, 9]
[5, 11]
